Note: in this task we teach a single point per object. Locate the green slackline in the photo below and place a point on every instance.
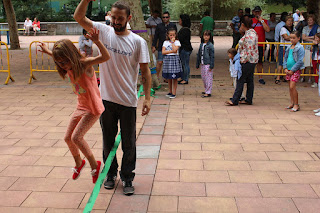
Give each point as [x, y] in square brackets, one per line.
[104, 172]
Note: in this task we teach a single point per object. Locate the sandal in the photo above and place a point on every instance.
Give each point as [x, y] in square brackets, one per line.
[277, 82]
[295, 110]
[245, 102]
[229, 103]
[290, 106]
[206, 96]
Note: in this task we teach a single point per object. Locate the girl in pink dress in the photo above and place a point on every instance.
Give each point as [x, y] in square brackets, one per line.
[79, 69]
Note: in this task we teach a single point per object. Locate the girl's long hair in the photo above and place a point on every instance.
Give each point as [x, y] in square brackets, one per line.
[171, 30]
[64, 49]
[207, 32]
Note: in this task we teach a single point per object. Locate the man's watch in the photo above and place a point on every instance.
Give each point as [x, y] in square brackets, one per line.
[262, 21]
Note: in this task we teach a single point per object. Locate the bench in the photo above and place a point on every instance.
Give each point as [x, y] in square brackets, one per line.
[43, 29]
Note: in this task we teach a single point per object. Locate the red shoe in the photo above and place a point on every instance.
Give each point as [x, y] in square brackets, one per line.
[76, 171]
[95, 173]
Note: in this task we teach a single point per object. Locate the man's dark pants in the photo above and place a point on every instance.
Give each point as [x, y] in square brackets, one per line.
[247, 77]
[236, 37]
[109, 124]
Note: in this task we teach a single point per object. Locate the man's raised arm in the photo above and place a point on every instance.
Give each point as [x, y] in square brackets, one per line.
[80, 15]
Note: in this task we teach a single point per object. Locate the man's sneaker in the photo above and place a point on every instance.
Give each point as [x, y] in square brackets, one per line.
[110, 182]
[168, 95]
[76, 171]
[314, 85]
[316, 110]
[128, 188]
[95, 173]
[172, 96]
[317, 114]
[261, 81]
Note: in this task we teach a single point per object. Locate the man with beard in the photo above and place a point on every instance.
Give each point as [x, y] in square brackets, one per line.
[160, 37]
[119, 87]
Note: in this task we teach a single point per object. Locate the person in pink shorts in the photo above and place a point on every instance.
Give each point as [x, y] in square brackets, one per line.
[78, 68]
[292, 65]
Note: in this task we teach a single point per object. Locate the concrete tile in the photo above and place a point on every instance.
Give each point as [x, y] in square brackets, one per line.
[11, 150]
[299, 177]
[142, 185]
[316, 188]
[204, 176]
[148, 151]
[171, 139]
[306, 205]
[273, 166]
[38, 184]
[163, 204]
[221, 147]
[207, 204]
[288, 133]
[6, 182]
[22, 210]
[239, 139]
[287, 190]
[234, 126]
[268, 126]
[30, 135]
[13, 198]
[167, 175]
[54, 200]
[121, 203]
[277, 140]
[18, 160]
[199, 155]
[167, 154]
[308, 166]
[245, 156]
[308, 140]
[225, 165]
[266, 205]
[26, 171]
[48, 151]
[152, 130]
[181, 146]
[18, 128]
[146, 166]
[178, 189]
[262, 147]
[289, 156]
[35, 142]
[232, 190]
[153, 121]
[207, 132]
[146, 140]
[254, 133]
[254, 177]
[102, 201]
[301, 147]
[8, 142]
[180, 164]
[55, 161]
[182, 132]
[198, 126]
[198, 139]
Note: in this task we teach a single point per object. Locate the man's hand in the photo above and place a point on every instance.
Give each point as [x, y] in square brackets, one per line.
[93, 34]
[146, 107]
[260, 18]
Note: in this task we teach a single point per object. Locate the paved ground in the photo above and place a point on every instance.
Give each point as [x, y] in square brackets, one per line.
[194, 154]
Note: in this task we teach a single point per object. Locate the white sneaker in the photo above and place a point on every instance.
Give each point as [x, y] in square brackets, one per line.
[316, 110]
[309, 81]
[314, 85]
[317, 114]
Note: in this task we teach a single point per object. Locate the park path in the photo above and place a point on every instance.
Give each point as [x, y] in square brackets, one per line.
[194, 154]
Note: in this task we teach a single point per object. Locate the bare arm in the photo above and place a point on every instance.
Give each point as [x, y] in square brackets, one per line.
[80, 15]
[146, 81]
[45, 49]
[307, 38]
[286, 37]
[174, 50]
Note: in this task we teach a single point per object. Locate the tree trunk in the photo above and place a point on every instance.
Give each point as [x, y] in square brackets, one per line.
[155, 5]
[11, 18]
[137, 23]
[89, 11]
[211, 8]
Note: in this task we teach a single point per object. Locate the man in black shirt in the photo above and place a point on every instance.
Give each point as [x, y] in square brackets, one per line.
[160, 37]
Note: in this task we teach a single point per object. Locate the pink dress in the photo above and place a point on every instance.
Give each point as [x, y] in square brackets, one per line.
[86, 88]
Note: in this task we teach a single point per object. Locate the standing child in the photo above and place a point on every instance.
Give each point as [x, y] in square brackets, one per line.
[85, 44]
[235, 68]
[172, 69]
[316, 63]
[79, 69]
[292, 65]
[205, 58]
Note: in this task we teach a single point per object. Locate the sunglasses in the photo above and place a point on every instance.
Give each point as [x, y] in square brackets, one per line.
[165, 17]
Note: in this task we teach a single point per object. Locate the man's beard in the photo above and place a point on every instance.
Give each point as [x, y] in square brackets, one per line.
[121, 29]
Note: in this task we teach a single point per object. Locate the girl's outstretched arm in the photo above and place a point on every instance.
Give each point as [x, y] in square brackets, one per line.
[44, 49]
[94, 36]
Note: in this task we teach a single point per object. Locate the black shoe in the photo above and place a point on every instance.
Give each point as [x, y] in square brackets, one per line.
[110, 182]
[128, 188]
[261, 81]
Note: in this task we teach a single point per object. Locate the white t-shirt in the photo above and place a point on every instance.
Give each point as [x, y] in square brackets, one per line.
[202, 52]
[168, 46]
[119, 75]
[27, 23]
[153, 22]
[316, 56]
[282, 40]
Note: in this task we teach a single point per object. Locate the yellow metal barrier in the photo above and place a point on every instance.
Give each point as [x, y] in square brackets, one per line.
[273, 66]
[44, 62]
[2, 59]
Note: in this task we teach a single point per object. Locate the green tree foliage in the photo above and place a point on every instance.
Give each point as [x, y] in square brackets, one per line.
[32, 8]
[294, 3]
[224, 9]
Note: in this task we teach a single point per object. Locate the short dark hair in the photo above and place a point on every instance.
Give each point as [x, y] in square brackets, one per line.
[240, 10]
[297, 33]
[283, 16]
[121, 6]
[272, 14]
[170, 30]
[207, 13]
[247, 22]
[167, 13]
[232, 51]
[84, 32]
[185, 20]
[207, 32]
[156, 12]
[247, 10]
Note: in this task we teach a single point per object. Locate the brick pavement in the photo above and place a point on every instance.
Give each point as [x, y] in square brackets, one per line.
[194, 154]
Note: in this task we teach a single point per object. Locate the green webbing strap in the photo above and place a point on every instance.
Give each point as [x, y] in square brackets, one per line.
[104, 172]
